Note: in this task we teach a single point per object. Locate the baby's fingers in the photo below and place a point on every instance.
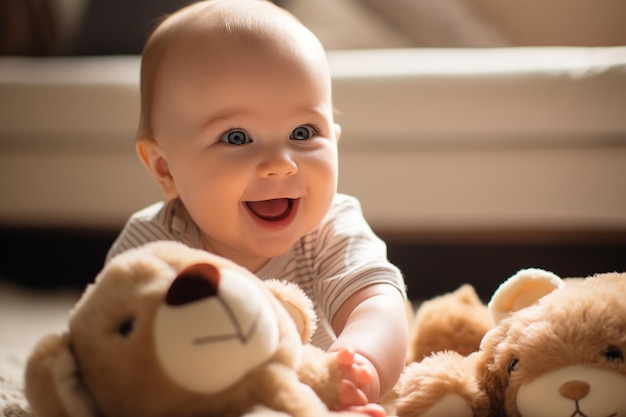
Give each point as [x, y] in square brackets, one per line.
[362, 374]
[371, 409]
[359, 373]
[350, 395]
[345, 357]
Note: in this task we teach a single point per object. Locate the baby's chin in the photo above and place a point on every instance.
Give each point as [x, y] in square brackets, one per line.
[272, 247]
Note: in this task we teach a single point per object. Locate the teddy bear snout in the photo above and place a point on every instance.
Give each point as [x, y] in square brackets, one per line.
[196, 282]
[574, 390]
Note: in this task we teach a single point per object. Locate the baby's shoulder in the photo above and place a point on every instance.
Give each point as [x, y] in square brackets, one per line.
[342, 202]
[148, 213]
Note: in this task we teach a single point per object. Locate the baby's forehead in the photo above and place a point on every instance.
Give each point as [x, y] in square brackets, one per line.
[219, 28]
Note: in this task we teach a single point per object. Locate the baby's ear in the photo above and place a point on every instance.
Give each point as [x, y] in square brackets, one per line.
[151, 155]
[53, 386]
[337, 128]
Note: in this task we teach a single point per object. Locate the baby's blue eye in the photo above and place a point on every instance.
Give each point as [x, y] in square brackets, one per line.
[235, 137]
[301, 133]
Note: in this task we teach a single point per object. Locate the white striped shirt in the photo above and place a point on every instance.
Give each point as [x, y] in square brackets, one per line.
[339, 257]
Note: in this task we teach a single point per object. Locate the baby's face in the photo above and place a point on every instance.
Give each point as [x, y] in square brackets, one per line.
[247, 133]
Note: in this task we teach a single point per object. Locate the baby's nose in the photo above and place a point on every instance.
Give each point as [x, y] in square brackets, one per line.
[277, 163]
[193, 283]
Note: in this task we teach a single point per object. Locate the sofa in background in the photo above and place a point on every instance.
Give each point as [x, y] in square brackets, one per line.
[480, 136]
[504, 150]
[470, 146]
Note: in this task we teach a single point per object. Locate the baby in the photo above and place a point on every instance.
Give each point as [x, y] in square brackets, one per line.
[237, 130]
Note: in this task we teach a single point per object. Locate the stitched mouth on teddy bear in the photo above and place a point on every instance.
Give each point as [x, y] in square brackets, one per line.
[576, 391]
[200, 283]
[579, 413]
[207, 336]
[240, 332]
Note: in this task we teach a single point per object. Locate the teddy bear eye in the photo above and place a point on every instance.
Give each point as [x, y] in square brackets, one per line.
[126, 327]
[513, 365]
[614, 354]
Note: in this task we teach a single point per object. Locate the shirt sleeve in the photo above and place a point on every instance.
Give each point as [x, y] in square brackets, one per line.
[141, 228]
[350, 256]
[160, 221]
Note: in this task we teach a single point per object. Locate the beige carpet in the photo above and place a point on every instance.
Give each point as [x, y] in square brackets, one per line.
[25, 317]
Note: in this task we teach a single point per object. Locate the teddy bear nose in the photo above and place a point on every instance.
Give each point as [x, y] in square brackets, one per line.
[196, 282]
[574, 390]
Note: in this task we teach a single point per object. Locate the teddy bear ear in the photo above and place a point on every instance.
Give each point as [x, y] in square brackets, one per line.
[52, 384]
[298, 305]
[522, 290]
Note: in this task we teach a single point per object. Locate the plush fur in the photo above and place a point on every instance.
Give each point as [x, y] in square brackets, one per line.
[128, 349]
[558, 350]
[442, 384]
[454, 321]
[564, 355]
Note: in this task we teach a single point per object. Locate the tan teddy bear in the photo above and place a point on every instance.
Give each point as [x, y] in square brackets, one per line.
[166, 330]
[557, 350]
[564, 355]
[454, 321]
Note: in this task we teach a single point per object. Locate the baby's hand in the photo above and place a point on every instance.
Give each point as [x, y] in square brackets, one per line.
[356, 374]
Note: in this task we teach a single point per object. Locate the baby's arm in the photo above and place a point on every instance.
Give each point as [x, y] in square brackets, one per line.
[372, 322]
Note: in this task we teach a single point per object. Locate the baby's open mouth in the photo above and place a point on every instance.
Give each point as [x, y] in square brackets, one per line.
[271, 210]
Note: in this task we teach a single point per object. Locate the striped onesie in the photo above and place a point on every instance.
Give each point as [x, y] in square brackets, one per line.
[339, 257]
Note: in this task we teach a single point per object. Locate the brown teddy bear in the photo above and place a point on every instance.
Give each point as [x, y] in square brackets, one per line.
[454, 321]
[557, 349]
[458, 320]
[166, 330]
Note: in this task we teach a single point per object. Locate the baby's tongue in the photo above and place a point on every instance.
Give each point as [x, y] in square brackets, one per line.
[269, 209]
